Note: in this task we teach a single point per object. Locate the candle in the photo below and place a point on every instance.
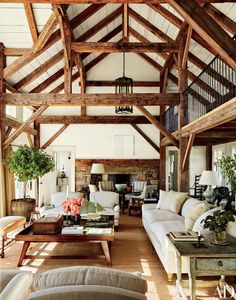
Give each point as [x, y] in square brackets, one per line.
[199, 233]
[67, 191]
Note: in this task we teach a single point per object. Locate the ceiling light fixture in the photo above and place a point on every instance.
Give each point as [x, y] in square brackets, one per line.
[124, 85]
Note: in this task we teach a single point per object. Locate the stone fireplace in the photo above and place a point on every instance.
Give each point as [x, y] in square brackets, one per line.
[118, 170]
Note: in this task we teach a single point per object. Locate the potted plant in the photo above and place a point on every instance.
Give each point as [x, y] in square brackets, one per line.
[228, 166]
[29, 163]
[218, 223]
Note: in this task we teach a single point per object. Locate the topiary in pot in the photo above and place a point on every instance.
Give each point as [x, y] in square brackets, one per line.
[29, 163]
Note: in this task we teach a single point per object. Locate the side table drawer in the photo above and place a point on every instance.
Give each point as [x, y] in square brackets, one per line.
[216, 264]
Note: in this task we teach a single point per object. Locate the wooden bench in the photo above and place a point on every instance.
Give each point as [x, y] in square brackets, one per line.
[7, 225]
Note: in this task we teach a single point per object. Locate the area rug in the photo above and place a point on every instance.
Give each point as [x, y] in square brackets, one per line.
[131, 251]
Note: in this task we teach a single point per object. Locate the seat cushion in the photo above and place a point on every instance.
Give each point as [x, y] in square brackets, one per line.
[85, 275]
[9, 223]
[157, 215]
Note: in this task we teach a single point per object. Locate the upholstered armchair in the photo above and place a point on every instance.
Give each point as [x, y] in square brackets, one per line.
[137, 190]
[56, 201]
[109, 201]
[106, 185]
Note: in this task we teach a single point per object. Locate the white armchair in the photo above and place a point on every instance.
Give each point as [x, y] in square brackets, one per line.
[56, 201]
[106, 185]
[109, 201]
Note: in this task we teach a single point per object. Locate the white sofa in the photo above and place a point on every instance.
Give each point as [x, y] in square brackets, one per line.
[56, 200]
[109, 201]
[159, 222]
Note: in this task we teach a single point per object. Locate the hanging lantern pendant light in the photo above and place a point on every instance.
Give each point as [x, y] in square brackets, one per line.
[124, 85]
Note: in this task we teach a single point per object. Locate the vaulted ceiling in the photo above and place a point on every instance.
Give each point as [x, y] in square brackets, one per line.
[37, 37]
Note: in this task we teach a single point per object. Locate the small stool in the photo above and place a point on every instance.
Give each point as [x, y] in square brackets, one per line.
[34, 215]
[8, 224]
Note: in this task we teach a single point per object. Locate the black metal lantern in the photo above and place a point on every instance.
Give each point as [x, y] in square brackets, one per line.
[124, 85]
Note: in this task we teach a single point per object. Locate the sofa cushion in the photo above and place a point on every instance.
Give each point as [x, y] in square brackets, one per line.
[172, 201]
[194, 213]
[157, 215]
[58, 197]
[162, 228]
[188, 204]
[198, 225]
[85, 275]
[162, 198]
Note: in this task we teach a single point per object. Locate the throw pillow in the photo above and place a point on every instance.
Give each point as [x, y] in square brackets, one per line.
[162, 198]
[171, 201]
[198, 225]
[194, 213]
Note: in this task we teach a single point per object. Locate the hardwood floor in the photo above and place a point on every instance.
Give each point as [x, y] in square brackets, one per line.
[131, 251]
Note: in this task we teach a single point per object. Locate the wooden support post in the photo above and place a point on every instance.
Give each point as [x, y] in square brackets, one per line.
[209, 158]
[2, 132]
[183, 174]
[37, 137]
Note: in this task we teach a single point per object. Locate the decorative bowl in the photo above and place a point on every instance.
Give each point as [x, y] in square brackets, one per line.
[121, 187]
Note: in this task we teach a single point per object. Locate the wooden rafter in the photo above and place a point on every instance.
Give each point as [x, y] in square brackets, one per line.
[8, 131]
[186, 48]
[29, 56]
[16, 124]
[136, 83]
[30, 139]
[125, 21]
[221, 18]
[56, 135]
[158, 125]
[124, 47]
[188, 150]
[105, 1]
[15, 51]
[93, 120]
[31, 21]
[91, 99]
[146, 137]
[208, 28]
[26, 124]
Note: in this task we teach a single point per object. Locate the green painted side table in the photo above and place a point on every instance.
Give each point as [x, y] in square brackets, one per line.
[209, 261]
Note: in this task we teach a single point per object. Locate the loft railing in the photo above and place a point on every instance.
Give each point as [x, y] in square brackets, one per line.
[215, 85]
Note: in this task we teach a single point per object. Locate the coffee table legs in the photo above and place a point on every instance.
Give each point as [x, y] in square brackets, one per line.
[106, 250]
[23, 253]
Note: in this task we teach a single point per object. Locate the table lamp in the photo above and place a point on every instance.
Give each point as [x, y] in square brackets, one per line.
[209, 178]
[97, 170]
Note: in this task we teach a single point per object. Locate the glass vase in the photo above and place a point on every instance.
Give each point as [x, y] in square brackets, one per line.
[220, 237]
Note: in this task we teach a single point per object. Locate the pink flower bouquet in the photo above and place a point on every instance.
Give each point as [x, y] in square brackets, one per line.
[72, 205]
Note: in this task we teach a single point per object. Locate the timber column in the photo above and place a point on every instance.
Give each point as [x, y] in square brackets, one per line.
[2, 131]
[183, 167]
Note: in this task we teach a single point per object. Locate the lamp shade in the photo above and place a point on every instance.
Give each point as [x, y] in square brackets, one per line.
[97, 169]
[209, 178]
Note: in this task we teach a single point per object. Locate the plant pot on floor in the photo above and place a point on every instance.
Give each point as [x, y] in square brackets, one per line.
[23, 207]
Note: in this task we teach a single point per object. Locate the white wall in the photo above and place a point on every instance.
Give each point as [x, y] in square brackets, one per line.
[97, 140]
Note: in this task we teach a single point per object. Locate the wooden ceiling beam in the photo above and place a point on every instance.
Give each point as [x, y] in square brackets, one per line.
[221, 18]
[56, 135]
[136, 83]
[93, 119]
[105, 1]
[31, 21]
[23, 126]
[208, 28]
[109, 47]
[158, 125]
[16, 51]
[42, 39]
[29, 140]
[16, 124]
[178, 23]
[29, 56]
[86, 35]
[186, 48]
[154, 146]
[91, 99]
[188, 151]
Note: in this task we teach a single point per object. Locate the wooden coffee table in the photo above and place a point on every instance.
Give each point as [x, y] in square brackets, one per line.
[27, 236]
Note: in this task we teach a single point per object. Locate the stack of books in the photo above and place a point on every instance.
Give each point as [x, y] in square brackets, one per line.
[94, 231]
[184, 236]
[72, 230]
